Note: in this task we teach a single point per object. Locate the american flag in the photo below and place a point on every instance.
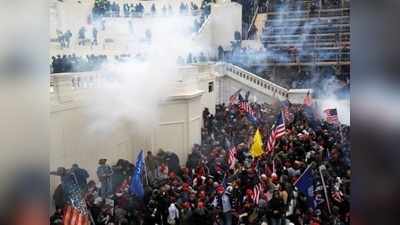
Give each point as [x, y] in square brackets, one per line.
[245, 106]
[233, 98]
[257, 191]
[76, 212]
[285, 109]
[331, 116]
[232, 157]
[278, 130]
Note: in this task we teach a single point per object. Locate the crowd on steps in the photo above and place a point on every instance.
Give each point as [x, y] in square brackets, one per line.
[222, 181]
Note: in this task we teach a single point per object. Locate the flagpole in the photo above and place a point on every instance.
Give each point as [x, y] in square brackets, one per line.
[302, 174]
[326, 194]
[145, 170]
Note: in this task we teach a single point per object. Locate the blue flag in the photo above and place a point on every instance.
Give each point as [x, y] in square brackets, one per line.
[305, 184]
[136, 186]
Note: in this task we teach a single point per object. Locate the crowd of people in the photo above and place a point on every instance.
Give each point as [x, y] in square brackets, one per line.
[65, 38]
[104, 8]
[73, 63]
[218, 187]
[191, 58]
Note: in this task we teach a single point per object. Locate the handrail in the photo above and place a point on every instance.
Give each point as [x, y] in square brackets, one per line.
[262, 85]
[75, 81]
[265, 86]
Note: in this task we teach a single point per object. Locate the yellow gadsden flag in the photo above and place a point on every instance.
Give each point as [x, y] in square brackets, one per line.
[257, 146]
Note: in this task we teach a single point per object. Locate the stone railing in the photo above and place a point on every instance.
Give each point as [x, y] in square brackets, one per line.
[65, 87]
[254, 81]
[77, 81]
[260, 84]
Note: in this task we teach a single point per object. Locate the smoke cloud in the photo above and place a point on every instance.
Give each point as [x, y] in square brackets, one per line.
[134, 89]
[323, 81]
[329, 99]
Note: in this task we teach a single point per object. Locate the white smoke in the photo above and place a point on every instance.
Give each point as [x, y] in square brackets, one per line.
[136, 88]
[328, 99]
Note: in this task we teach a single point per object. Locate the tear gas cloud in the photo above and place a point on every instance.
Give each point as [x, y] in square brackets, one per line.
[322, 81]
[137, 87]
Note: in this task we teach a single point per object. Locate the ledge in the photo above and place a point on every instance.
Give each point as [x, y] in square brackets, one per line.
[186, 95]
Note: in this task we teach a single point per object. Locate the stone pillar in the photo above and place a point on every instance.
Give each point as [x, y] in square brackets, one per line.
[180, 124]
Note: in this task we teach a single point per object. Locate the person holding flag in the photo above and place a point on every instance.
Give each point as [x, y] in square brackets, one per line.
[256, 149]
[136, 186]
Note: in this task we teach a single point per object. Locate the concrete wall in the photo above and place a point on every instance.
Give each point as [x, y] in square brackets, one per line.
[73, 139]
[227, 18]
[219, 29]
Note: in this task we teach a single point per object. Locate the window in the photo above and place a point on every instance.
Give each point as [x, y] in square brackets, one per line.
[211, 86]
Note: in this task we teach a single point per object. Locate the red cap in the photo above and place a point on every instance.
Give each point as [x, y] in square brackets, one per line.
[220, 189]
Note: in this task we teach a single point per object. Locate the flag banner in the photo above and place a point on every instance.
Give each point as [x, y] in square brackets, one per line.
[256, 148]
[75, 212]
[331, 116]
[234, 97]
[277, 131]
[257, 191]
[232, 157]
[305, 184]
[285, 106]
[137, 184]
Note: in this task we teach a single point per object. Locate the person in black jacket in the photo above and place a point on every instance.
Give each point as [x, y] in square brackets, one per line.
[276, 209]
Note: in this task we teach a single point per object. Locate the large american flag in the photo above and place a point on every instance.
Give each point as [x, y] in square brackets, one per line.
[278, 130]
[331, 116]
[76, 212]
[257, 191]
[232, 157]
